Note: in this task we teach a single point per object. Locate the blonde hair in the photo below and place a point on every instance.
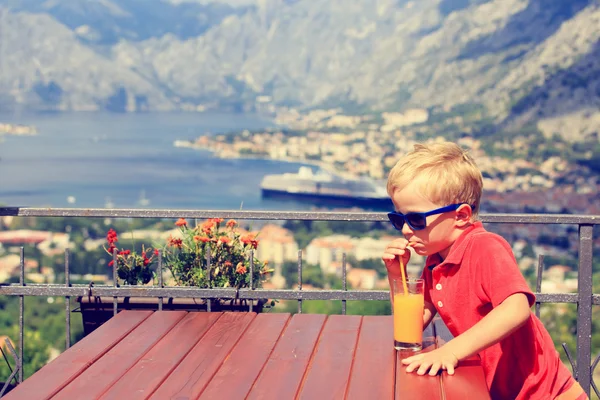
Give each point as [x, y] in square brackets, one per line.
[451, 173]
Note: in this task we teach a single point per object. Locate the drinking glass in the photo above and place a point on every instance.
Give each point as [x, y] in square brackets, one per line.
[407, 307]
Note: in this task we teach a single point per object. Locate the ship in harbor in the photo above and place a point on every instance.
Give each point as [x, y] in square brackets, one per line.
[326, 188]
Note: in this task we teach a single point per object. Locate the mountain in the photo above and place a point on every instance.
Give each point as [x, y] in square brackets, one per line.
[524, 61]
[108, 22]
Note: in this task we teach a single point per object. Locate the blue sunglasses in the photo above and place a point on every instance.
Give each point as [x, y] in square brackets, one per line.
[418, 220]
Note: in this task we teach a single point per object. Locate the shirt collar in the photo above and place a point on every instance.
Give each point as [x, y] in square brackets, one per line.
[457, 250]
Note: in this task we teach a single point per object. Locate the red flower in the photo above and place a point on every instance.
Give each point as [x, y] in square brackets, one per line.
[224, 239]
[130, 265]
[208, 226]
[231, 223]
[202, 239]
[156, 252]
[111, 236]
[174, 242]
[240, 269]
[181, 222]
[249, 240]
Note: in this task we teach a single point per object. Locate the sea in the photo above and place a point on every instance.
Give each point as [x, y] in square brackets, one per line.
[105, 160]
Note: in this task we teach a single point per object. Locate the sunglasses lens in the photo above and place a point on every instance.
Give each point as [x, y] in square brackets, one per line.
[416, 221]
[396, 220]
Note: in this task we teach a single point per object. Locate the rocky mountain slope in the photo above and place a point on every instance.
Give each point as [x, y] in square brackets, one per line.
[526, 61]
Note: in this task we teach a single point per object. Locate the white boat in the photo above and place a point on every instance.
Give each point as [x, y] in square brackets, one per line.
[322, 185]
[143, 201]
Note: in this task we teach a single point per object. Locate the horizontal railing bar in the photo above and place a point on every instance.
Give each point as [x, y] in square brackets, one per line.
[200, 214]
[178, 292]
[186, 292]
[277, 215]
[541, 219]
[556, 297]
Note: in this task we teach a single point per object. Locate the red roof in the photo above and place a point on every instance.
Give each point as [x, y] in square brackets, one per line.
[24, 236]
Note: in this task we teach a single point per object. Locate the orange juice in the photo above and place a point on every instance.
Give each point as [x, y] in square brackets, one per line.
[408, 317]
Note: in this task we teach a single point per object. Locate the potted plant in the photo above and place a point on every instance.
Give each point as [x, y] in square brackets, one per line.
[209, 255]
[132, 267]
[213, 255]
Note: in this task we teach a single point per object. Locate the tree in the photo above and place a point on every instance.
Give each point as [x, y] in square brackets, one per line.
[35, 353]
[42, 314]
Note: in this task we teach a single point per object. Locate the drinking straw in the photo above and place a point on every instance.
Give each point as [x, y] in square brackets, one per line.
[403, 276]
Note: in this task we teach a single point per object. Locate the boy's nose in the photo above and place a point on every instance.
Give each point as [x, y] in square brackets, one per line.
[407, 230]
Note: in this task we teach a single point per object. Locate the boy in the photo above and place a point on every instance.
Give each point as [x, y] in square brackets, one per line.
[471, 279]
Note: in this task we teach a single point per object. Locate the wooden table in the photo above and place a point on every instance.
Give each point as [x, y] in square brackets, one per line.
[176, 354]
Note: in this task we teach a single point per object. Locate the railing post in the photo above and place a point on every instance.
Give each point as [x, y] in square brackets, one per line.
[251, 278]
[344, 282]
[21, 314]
[67, 302]
[209, 267]
[115, 281]
[584, 308]
[160, 279]
[299, 280]
[538, 283]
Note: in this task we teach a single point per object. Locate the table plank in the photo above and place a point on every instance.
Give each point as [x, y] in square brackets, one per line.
[196, 370]
[57, 374]
[328, 373]
[100, 376]
[239, 371]
[154, 367]
[374, 362]
[468, 381]
[410, 386]
[283, 372]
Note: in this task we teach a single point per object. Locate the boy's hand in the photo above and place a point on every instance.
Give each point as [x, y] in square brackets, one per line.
[395, 249]
[433, 361]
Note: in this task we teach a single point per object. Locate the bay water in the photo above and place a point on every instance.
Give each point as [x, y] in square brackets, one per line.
[101, 160]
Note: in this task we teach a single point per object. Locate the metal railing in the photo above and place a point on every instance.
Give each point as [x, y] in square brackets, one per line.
[584, 298]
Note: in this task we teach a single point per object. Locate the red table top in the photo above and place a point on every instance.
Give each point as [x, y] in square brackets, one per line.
[176, 354]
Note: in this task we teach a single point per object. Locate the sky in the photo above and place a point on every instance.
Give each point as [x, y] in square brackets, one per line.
[234, 3]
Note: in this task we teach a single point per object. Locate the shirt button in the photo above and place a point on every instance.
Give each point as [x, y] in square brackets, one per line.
[440, 304]
[438, 286]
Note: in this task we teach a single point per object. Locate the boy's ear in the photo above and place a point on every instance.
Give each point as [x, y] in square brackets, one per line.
[463, 215]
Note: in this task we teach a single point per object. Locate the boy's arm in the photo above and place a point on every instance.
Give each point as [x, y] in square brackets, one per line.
[428, 314]
[503, 320]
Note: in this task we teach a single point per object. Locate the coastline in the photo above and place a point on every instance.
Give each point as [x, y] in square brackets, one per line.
[313, 163]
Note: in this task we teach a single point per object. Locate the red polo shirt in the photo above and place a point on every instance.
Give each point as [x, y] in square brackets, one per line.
[479, 273]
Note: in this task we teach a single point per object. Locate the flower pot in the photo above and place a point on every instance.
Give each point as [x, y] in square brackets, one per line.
[97, 310]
